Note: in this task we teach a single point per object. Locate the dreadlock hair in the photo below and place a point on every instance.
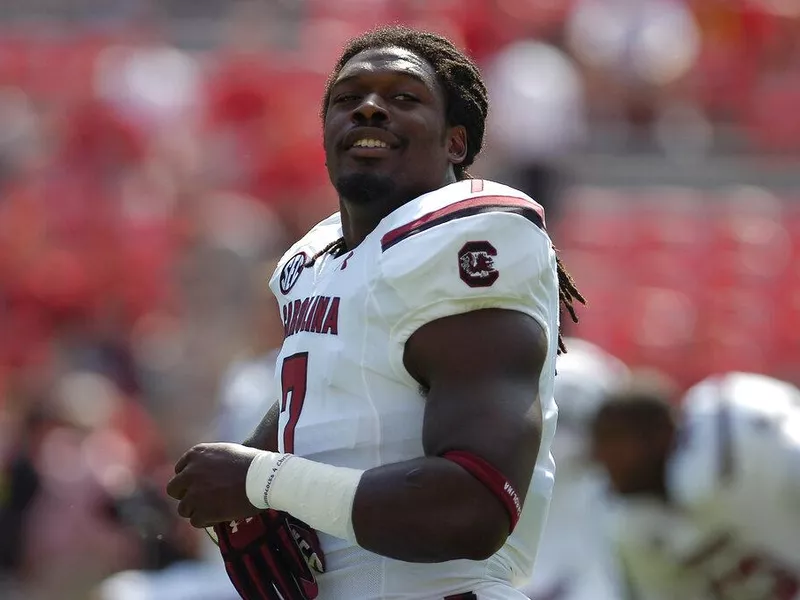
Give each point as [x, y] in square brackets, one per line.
[467, 104]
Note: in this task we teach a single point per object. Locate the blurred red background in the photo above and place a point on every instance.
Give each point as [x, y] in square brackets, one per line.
[154, 160]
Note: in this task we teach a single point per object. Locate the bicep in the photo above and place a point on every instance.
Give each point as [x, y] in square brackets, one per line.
[481, 371]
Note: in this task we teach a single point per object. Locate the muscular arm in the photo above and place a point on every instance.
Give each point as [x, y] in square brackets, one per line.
[265, 436]
[481, 372]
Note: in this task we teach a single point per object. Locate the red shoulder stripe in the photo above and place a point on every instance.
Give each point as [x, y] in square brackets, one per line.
[465, 208]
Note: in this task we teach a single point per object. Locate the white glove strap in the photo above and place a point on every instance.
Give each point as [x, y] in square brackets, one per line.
[318, 494]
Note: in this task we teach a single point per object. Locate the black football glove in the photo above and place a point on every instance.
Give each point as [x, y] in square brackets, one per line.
[271, 556]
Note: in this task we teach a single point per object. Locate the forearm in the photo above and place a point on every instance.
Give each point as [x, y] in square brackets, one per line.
[265, 436]
[427, 510]
[423, 510]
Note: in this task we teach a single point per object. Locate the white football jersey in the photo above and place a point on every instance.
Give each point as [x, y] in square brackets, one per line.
[576, 555]
[346, 397]
[733, 532]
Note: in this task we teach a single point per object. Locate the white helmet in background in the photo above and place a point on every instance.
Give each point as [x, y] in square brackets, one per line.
[735, 438]
[584, 376]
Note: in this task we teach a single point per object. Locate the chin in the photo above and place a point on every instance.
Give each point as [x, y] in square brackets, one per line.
[365, 187]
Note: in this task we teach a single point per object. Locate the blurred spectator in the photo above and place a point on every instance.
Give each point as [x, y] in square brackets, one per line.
[247, 392]
[633, 52]
[96, 457]
[537, 118]
[150, 84]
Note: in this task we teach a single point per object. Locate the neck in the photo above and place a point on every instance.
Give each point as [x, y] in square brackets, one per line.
[655, 485]
[360, 219]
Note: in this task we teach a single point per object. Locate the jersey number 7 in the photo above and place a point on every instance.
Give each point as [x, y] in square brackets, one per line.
[294, 382]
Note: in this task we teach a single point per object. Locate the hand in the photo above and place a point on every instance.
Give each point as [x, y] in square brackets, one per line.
[210, 483]
[272, 556]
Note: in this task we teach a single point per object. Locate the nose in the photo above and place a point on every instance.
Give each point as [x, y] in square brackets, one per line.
[370, 109]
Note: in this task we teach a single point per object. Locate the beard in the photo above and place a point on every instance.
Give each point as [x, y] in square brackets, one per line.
[366, 188]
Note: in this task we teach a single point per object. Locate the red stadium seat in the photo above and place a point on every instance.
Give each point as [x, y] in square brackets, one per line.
[773, 120]
[707, 283]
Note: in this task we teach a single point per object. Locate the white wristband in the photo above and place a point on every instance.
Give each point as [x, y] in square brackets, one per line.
[260, 476]
[318, 494]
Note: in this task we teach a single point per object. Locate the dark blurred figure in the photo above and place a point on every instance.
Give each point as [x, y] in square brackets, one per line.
[633, 433]
[19, 484]
[707, 496]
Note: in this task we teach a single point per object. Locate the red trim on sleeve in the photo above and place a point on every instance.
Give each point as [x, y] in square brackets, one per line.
[466, 208]
[492, 479]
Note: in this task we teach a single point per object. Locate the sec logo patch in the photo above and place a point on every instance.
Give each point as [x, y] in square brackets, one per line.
[291, 272]
[476, 264]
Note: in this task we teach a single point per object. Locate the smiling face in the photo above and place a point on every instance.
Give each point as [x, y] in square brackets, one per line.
[385, 133]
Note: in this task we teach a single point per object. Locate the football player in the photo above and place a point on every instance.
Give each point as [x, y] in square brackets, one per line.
[415, 381]
[575, 560]
[710, 505]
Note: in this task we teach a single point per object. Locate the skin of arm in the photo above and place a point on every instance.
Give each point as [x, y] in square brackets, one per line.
[480, 371]
[265, 436]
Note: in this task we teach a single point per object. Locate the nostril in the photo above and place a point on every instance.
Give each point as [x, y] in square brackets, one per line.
[367, 118]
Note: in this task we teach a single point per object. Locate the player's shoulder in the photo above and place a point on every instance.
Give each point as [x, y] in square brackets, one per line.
[472, 203]
[744, 396]
[318, 237]
[730, 436]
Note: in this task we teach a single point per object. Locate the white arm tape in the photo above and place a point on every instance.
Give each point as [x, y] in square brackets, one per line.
[318, 494]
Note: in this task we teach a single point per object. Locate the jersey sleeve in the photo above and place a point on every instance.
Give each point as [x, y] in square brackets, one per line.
[448, 264]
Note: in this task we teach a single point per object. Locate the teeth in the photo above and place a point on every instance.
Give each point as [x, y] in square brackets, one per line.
[370, 143]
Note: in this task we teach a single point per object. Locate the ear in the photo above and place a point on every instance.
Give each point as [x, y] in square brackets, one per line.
[457, 144]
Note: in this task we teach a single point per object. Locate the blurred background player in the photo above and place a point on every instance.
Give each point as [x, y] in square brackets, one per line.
[575, 560]
[708, 496]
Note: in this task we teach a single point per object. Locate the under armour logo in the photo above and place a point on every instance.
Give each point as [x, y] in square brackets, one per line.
[344, 264]
[234, 525]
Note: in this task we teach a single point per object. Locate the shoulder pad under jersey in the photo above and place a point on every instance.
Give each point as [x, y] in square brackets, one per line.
[471, 245]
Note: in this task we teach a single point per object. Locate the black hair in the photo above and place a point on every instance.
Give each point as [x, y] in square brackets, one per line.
[467, 104]
[646, 403]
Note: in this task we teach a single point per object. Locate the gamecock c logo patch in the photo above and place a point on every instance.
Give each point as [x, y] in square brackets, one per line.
[291, 272]
[476, 264]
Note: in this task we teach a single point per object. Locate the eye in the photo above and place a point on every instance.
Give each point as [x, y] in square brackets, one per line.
[406, 97]
[344, 98]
